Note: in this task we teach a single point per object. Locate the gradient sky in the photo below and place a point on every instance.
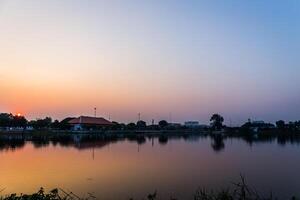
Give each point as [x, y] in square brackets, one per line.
[190, 58]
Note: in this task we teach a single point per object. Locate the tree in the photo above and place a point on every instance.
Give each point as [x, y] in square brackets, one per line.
[141, 124]
[297, 124]
[117, 126]
[6, 119]
[292, 125]
[55, 124]
[217, 121]
[19, 121]
[131, 126]
[280, 124]
[41, 123]
[163, 123]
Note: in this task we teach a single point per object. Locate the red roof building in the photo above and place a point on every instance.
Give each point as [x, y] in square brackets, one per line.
[83, 122]
[90, 121]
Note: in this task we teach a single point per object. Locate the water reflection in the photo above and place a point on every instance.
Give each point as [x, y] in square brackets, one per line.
[11, 144]
[80, 142]
[163, 140]
[138, 164]
[217, 143]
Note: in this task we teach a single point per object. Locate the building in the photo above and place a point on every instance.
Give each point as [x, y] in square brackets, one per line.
[191, 124]
[256, 126]
[195, 125]
[89, 123]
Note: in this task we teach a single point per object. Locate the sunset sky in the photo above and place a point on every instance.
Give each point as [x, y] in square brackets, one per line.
[190, 58]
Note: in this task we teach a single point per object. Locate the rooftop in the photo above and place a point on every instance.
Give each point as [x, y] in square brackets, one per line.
[90, 121]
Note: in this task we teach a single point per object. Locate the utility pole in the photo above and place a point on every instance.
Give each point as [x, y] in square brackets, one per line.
[139, 116]
[95, 111]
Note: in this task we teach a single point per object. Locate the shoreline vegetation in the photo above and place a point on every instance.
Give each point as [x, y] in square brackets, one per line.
[238, 191]
[18, 124]
[10, 122]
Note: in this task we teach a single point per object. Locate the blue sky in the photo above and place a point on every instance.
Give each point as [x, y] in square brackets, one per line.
[191, 58]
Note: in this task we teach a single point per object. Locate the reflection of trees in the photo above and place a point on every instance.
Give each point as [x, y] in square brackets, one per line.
[217, 143]
[281, 140]
[85, 141]
[141, 140]
[8, 144]
[163, 139]
[63, 141]
[91, 144]
[40, 142]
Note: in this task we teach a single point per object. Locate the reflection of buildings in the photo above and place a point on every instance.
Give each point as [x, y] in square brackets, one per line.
[89, 123]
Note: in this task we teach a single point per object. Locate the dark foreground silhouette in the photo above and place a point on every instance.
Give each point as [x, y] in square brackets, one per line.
[239, 191]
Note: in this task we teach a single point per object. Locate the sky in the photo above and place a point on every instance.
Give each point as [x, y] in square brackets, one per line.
[166, 59]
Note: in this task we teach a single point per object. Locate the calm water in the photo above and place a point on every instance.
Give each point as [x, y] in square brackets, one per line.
[124, 169]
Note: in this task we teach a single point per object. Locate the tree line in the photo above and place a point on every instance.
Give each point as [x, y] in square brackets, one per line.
[8, 120]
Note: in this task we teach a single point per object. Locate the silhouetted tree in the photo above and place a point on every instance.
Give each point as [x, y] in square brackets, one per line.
[55, 124]
[6, 119]
[117, 126]
[19, 121]
[297, 124]
[217, 121]
[141, 124]
[280, 124]
[291, 126]
[131, 126]
[163, 123]
[41, 123]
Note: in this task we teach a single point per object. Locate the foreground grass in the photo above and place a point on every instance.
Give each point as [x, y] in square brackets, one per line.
[240, 191]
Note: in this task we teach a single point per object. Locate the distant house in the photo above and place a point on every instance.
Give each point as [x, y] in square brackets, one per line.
[191, 124]
[195, 124]
[89, 123]
[256, 126]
